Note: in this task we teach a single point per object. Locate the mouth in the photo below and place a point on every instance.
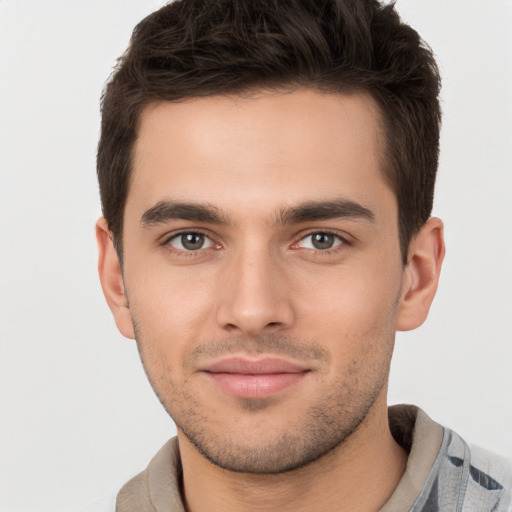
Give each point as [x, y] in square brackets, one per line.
[252, 379]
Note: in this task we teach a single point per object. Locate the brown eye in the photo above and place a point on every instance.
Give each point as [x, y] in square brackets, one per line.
[190, 241]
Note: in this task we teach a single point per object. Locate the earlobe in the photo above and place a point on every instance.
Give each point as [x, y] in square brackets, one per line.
[421, 276]
[111, 277]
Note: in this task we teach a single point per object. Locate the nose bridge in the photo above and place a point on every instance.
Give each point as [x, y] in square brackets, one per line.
[254, 297]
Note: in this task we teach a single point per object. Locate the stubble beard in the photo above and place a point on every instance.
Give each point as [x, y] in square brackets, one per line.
[321, 430]
[323, 426]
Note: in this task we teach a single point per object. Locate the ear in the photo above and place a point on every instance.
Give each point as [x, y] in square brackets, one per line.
[111, 277]
[421, 275]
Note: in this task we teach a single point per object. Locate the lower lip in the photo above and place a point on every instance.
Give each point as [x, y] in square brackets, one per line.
[255, 386]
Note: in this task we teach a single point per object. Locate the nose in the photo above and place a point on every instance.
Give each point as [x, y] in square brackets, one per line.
[254, 298]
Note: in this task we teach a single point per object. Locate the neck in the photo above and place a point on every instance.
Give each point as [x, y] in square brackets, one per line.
[338, 481]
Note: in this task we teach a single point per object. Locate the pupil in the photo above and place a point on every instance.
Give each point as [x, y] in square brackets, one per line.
[323, 241]
[192, 241]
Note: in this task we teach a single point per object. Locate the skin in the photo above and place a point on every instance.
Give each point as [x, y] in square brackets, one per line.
[256, 182]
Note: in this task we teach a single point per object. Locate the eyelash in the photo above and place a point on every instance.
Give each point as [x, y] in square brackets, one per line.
[185, 253]
[191, 253]
[344, 242]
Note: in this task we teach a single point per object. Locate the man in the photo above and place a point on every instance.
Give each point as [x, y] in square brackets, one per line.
[266, 172]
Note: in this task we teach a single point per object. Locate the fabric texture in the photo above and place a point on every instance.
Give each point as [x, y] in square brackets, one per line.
[443, 473]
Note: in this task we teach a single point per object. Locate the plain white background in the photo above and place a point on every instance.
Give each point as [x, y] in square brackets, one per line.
[77, 416]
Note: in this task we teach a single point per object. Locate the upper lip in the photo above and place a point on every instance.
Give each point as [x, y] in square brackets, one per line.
[263, 366]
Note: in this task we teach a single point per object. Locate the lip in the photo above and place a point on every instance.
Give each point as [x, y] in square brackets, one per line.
[252, 379]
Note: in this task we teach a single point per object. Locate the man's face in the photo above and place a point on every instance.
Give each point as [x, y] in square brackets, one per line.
[263, 271]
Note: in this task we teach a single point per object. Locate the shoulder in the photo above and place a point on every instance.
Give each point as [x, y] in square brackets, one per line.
[444, 472]
[157, 488]
[490, 470]
[134, 495]
[479, 479]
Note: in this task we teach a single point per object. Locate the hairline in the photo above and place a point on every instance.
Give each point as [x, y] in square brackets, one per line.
[254, 91]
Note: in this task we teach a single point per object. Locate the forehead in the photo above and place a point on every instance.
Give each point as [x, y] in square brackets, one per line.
[259, 150]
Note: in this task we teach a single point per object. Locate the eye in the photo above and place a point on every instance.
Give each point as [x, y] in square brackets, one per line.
[190, 241]
[320, 241]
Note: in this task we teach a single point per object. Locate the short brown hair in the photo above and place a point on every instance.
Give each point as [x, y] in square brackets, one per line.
[194, 48]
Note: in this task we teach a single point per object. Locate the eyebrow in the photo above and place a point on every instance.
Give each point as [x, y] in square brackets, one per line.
[172, 210]
[165, 211]
[325, 210]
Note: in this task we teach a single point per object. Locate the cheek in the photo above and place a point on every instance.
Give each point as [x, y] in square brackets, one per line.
[354, 310]
[357, 292]
[171, 309]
